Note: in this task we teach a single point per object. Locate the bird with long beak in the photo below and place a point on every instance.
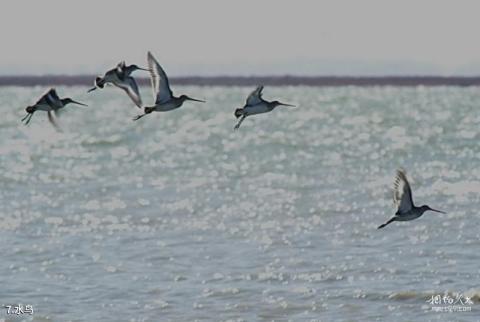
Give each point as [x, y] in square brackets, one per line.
[51, 103]
[402, 198]
[127, 70]
[162, 94]
[120, 77]
[256, 105]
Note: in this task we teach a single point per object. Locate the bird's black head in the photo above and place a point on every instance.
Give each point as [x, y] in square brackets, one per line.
[149, 110]
[238, 112]
[427, 208]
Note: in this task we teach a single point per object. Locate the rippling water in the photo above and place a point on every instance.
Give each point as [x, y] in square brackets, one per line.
[178, 217]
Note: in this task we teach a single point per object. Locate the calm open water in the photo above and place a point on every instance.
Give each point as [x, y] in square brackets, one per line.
[177, 217]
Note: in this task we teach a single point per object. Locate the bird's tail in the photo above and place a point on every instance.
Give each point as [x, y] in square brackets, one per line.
[238, 112]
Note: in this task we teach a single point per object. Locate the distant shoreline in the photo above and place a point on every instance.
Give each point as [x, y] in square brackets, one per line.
[320, 81]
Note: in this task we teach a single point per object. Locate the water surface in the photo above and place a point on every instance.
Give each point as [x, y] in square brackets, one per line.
[178, 217]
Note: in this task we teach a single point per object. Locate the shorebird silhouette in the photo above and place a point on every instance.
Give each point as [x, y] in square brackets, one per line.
[402, 198]
[49, 102]
[120, 77]
[163, 95]
[256, 105]
[127, 70]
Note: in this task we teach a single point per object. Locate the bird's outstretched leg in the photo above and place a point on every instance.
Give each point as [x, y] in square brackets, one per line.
[388, 222]
[148, 110]
[27, 118]
[240, 122]
[54, 123]
[136, 118]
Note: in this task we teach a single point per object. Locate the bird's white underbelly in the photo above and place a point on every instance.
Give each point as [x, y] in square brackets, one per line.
[256, 109]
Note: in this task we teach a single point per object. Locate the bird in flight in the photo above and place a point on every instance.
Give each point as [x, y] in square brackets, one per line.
[256, 105]
[402, 198]
[51, 103]
[162, 94]
[120, 77]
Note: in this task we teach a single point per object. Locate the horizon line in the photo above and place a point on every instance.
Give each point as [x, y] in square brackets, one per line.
[269, 80]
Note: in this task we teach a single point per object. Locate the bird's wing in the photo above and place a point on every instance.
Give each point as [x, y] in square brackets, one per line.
[49, 97]
[131, 88]
[255, 97]
[120, 71]
[52, 120]
[402, 194]
[121, 64]
[53, 94]
[160, 86]
[113, 75]
[54, 100]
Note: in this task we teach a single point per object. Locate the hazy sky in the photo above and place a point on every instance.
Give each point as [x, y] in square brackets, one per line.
[242, 37]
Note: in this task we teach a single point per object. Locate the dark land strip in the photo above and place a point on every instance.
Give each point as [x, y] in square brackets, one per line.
[87, 80]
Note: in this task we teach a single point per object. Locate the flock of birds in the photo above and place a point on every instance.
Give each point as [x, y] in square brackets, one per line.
[165, 101]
